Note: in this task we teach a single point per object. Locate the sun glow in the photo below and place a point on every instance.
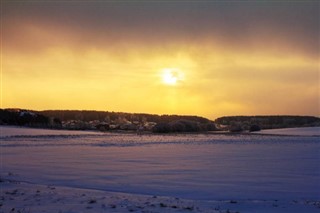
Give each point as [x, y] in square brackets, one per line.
[172, 76]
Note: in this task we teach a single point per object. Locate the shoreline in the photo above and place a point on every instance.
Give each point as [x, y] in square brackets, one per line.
[264, 132]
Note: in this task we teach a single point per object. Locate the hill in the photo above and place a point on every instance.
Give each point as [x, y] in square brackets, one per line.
[90, 115]
[101, 120]
[267, 122]
[105, 120]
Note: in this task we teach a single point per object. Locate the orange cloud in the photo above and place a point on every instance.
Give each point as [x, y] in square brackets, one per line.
[70, 60]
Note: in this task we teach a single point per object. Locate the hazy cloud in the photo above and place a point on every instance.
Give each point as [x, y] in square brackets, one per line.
[242, 25]
[246, 57]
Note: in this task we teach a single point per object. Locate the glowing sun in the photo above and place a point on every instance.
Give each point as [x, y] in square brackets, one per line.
[171, 76]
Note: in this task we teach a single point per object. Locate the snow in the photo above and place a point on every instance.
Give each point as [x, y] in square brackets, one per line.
[158, 173]
[6, 131]
[304, 131]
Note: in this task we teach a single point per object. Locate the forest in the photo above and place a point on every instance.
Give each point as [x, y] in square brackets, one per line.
[90, 115]
[104, 120]
[108, 121]
[267, 122]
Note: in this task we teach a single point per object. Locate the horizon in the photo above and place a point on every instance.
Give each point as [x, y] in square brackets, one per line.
[207, 59]
[211, 119]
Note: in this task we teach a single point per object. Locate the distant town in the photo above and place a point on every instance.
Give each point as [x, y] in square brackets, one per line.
[142, 122]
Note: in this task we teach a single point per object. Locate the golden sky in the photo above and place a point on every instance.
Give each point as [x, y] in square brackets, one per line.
[196, 58]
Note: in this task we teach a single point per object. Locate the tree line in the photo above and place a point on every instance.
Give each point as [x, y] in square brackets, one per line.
[90, 119]
[268, 122]
[160, 123]
[27, 118]
[90, 115]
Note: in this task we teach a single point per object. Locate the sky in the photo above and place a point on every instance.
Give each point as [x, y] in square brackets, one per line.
[207, 58]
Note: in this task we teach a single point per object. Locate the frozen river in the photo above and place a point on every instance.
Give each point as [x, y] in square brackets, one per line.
[199, 167]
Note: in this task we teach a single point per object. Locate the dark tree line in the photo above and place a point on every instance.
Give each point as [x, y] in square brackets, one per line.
[269, 122]
[165, 123]
[55, 118]
[86, 115]
[184, 126]
[26, 118]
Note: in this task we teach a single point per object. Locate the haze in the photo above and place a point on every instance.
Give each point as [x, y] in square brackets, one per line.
[219, 57]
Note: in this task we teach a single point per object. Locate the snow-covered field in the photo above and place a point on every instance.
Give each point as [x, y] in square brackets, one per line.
[6, 131]
[305, 131]
[61, 171]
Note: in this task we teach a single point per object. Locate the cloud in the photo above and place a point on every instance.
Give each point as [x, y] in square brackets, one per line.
[244, 25]
[237, 58]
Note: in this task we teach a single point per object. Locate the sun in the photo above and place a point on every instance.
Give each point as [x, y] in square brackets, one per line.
[172, 76]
